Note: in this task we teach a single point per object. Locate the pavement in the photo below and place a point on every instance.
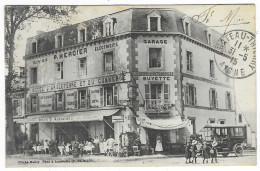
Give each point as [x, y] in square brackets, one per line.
[46, 160]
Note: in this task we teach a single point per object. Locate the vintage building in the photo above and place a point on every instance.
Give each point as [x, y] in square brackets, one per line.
[143, 70]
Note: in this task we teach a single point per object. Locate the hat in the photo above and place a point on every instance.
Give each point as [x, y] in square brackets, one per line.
[194, 142]
[214, 143]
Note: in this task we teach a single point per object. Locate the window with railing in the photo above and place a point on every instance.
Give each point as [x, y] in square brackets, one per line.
[157, 96]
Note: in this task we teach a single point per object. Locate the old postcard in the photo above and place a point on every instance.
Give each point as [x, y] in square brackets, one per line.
[153, 85]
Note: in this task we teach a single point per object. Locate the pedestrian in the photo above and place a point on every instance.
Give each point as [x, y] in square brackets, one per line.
[46, 146]
[205, 152]
[96, 145]
[188, 152]
[214, 151]
[158, 147]
[194, 151]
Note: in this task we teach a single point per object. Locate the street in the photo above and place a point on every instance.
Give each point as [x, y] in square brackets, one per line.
[248, 159]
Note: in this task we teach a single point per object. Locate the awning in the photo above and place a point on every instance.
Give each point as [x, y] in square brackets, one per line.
[19, 120]
[96, 115]
[174, 122]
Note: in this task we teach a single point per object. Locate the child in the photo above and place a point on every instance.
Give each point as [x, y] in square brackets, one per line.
[188, 152]
[205, 152]
[194, 151]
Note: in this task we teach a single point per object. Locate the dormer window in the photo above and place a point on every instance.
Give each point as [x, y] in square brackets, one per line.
[34, 46]
[154, 21]
[58, 41]
[108, 27]
[209, 36]
[186, 26]
[82, 33]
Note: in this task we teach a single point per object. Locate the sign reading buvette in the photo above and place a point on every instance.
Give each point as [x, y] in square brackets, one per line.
[82, 83]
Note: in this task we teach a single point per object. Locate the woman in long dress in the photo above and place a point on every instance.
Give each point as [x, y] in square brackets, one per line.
[158, 147]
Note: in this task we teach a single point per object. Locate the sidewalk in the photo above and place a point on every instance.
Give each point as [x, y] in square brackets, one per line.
[90, 158]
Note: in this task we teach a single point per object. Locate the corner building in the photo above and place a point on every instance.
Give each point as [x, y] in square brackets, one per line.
[151, 71]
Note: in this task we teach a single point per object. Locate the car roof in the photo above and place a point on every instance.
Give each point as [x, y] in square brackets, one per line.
[224, 126]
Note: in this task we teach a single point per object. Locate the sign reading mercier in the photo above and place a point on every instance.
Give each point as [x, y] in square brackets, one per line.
[81, 83]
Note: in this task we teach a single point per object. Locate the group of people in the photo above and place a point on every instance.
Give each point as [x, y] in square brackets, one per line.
[208, 151]
[92, 146]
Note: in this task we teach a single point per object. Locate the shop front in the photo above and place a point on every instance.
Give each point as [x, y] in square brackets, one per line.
[67, 127]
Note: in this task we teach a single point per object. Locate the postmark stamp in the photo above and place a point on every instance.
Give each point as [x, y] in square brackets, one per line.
[239, 49]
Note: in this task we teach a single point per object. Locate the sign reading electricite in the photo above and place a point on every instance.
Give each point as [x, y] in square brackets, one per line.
[81, 83]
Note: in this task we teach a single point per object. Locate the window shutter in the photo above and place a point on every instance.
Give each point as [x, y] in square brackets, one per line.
[231, 104]
[210, 99]
[63, 100]
[115, 95]
[56, 41]
[166, 91]
[187, 94]
[76, 99]
[195, 96]
[101, 90]
[38, 104]
[191, 63]
[147, 91]
[226, 100]
[28, 105]
[216, 99]
[54, 102]
[88, 98]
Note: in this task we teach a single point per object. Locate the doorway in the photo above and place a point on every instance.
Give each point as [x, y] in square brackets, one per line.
[153, 133]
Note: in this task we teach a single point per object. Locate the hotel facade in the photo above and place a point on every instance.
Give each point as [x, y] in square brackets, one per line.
[151, 71]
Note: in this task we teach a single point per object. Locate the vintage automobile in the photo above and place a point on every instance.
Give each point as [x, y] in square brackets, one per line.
[230, 138]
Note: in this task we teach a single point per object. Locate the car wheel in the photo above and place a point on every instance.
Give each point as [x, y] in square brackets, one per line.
[239, 151]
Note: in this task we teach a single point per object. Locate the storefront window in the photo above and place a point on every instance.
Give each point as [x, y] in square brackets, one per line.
[83, 99]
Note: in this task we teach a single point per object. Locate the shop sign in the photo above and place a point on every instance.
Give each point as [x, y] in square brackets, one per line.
[45, 102]
[107, 46]
[153, 73]
[94, 96]
[156, 78]
[82, 83]
[70, 53]
[155, 41]
[117, 119]
[70, 99]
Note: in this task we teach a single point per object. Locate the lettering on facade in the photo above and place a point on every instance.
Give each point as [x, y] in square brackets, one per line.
[94, 96]
[70, 53]
[40, 61]
[153, 73]
[70, 100]
[156, 78]
[46, 102]
[81, 83]
[155, 41]
[107, 46]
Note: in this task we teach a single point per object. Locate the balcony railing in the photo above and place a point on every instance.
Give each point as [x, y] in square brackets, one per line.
[158, 104]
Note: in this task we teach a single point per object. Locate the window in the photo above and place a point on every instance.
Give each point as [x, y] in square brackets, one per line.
[59, 70]
[212, 121]
[189, 61]
[33, 75]
[108, 61]
[82, 66]
[155, 57]
[227, 71]
[228, 101]
[16, 105]
[191, 95]
[212, 68]
[82, 35]
[157, 96]
[33, 104]
[222, 122]
[111, 95]
[240, 118]
[209, 39]
[108, 26]
[108, 29]
[193, 125]
[34, 47]
[154, 21]
[213, 98]
[84, 99]
[187, 28]
[60, 101]
[59, 41]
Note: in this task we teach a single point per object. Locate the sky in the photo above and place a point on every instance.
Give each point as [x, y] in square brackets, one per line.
[245, 89]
